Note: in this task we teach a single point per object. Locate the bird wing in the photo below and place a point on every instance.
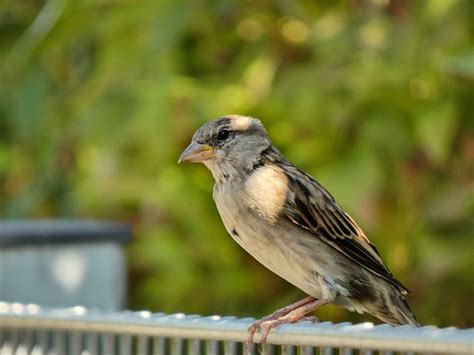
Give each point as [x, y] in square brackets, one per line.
[312, 208]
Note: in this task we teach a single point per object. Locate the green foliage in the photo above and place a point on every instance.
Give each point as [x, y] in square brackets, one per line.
[374, 98]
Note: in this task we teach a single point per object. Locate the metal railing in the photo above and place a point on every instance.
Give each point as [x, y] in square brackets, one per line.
[32, 329]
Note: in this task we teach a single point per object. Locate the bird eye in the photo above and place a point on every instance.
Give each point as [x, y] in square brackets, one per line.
[223, 134]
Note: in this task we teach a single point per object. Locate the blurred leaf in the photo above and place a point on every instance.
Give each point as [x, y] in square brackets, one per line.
[436, 128]
[462, 66]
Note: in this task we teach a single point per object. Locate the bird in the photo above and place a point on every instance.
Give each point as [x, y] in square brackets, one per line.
[293, 226]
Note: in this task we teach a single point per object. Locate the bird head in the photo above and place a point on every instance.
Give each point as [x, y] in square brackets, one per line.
[228, 144]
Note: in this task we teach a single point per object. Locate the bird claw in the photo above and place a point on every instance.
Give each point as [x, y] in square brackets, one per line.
[290, 314]
[252, 329]
[268, 323]
[265, 327]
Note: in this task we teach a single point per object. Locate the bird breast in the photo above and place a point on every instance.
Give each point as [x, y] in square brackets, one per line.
[250, 210]
[252, 203]
[265, 192]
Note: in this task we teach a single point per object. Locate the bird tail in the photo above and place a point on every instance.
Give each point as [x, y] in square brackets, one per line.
[396, 310]
[403, 309]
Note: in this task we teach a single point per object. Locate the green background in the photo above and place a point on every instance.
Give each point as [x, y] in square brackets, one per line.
[373, 98]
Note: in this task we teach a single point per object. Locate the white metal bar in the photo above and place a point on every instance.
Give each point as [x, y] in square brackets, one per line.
[195, 346]
[43, 341]
[308, 350]
[92, 343]
[142, 345]
[343, 335]
[76, 342]
[177, 346]
[28, 340]
[268, 349]
[107, 343]
[58, 342]
[327, 351]
[159, 345]
[288, 350]
[230, 348]
[125, 344]
[212, 347]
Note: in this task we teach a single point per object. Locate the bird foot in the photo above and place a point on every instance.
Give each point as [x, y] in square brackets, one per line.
[275, 315]
[289, 314]
[292, 317]
[264, 325]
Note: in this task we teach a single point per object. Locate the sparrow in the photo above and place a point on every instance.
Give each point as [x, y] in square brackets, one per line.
[292, 225]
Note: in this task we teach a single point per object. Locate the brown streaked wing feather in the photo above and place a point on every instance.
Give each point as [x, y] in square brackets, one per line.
[313, 208]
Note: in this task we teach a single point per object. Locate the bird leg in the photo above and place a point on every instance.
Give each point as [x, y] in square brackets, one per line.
[288, 314]
[291, 317]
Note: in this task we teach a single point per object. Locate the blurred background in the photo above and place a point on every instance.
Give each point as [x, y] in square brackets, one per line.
[372, 97]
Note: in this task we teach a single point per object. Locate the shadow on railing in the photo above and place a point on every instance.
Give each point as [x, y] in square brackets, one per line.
[32, 329]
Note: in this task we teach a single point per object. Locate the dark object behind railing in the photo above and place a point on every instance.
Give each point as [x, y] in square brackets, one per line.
[61, 262]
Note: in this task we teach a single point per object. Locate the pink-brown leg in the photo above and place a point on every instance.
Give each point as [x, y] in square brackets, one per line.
[291, 317]
[281, 313]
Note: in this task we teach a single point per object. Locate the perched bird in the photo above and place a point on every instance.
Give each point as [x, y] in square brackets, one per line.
[293, 226]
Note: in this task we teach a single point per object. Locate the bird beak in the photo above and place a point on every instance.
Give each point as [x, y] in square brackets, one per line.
[196, 153]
